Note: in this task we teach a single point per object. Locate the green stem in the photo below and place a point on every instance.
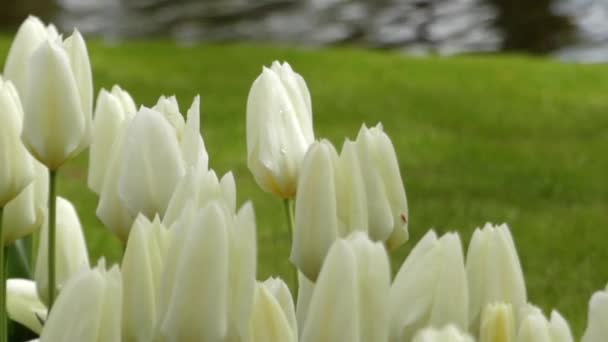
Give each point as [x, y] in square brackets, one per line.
[289, 204]
[34, 240]
[3, 264]
[51, 237]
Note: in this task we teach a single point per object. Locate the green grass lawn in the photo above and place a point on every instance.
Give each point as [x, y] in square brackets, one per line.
[501, 139]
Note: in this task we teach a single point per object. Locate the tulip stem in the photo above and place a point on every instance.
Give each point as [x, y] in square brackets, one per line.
[289, 204]
[3, 264]
[51, 237]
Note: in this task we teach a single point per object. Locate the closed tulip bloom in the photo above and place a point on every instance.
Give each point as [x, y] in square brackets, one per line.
[494, 272]
[151, 148]
[26, 213]
[17, 168]
[113, 112]
[30, 35]
[88, 309]
[142, 266]
[316, 213]
[497, 323]
[58, 101]
[449, 333]
[597, 316]
[70, 249]
[534, 326]
[279, 129]
[350, 301]
[242, 266]
[199, 187]
[23, 305]
[194, 285]
[559, 328]
[273, 315]
[152, 145]
[430, 289]
[110, 209]
[350, 192]
[387, 209]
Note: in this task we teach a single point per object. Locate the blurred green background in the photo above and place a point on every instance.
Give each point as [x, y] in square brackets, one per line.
[501, 139]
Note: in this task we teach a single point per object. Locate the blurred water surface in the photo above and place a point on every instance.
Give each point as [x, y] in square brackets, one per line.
[570, 29]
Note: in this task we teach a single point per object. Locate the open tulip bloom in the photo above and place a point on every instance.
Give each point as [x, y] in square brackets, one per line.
[189, 267]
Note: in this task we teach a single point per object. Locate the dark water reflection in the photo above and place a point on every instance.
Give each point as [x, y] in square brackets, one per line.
[570, 29]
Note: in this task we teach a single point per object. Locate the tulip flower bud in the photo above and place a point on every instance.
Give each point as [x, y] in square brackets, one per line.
[70, 249]
[194, 302]
[17, 168]
[27, 211]
[449, 333]
[152, 148]
[279, 129]
[350, 298]
[316, 215]
[152, 145]
[494, 272]
[533, 327]
[497, 323]
[58, 101]
[23, 305]
[111, 210]
[113, 112]
[30, 35]
[200, 186]
[559, 328]
[597, 329]
[141, 276]
[387, 209]
[88, 309]
[430, 289]
[351, 199]
[273, 316]
[242, 271]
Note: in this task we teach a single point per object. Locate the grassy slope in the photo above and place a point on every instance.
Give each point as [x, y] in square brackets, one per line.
[501, 139]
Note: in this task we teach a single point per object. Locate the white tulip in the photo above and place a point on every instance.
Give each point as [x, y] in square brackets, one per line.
[199, 187]
[351, 199]
[17, 168]
[279, 129]
[88, 309]
[597, 329]
[497, 323]
[449, 333]
[534, 326]
[23, 305]
[110, 209]
[559, 328]
[430, 289]
[350, 301]
[387, 209]
[242, 266]
[494, 272]
[142, 265]
[273, 316]
[27, 211]
[194, 286]
[70, 249]
[30, 35]
[113, 112]
[316, 216]
[58, 101]
[151, 148]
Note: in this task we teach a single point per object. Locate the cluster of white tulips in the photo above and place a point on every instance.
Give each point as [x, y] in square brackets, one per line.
[189, 267]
